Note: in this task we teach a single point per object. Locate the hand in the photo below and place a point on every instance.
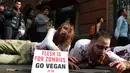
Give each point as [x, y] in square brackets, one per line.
[103, 59]
[73, 66]
[21, 32]
[73, 59]
[46, 21]
[18, 12]
[120, 65]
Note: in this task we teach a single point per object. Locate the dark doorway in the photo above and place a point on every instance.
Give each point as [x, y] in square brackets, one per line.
[62, 15]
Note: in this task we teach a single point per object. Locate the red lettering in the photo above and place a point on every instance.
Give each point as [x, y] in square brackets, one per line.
[52, 71]
[48, 53]
[55, 59]
[39, 58]
[48, 71]
[63, 60]
[58, 53]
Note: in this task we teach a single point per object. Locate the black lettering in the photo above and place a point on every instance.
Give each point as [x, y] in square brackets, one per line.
[49, 65]
[63, 66]
[56, 66]
[39, 65]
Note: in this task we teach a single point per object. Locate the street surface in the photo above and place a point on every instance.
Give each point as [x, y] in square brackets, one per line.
[27, 69]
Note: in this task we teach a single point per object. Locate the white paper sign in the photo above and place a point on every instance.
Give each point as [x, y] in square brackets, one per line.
[47, 61]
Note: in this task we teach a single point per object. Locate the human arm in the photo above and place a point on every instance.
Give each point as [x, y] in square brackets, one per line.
[75, 52]
[113, 57]
[9, 13]
[120, 65]
[98, 27]
[48, 41]
[80, 51]
[118, 27]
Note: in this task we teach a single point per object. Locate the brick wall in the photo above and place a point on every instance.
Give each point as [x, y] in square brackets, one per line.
[90, 10]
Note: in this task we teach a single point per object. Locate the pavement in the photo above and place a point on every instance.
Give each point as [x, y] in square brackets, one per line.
[27, 69]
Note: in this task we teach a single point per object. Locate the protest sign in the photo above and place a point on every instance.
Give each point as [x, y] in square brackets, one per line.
[48, 61]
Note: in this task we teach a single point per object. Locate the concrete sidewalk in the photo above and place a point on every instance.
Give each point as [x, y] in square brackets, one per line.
[27, 69]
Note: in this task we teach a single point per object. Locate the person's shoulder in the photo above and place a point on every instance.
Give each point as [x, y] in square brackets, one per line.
[52, 29]
[39, 15]
[83, 41]
[121, 18]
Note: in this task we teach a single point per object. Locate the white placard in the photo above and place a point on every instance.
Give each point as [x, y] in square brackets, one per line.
[47, 61]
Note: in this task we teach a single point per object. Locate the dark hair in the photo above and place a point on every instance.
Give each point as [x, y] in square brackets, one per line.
[1, 4]
[18, 1]
[27, 9]
[119, 12]
[46, 7]
[103, 34]
[98, 19]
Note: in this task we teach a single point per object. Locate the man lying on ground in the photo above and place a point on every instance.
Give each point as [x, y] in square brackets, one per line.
[91, 53]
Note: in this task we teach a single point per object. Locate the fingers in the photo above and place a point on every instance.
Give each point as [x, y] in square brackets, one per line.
[76, 67]
[120, 68]
[73, 59]
[73, 66]
[113, 63]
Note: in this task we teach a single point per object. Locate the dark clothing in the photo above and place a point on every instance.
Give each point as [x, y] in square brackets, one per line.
[41, 27]
[122, 41]
[13, 22]
[10, 33]
[40, 36]
[2, 19]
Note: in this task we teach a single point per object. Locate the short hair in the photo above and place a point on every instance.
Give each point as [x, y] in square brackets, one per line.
[121, 10]
[46, 7]
[103, 34]
[18, 1]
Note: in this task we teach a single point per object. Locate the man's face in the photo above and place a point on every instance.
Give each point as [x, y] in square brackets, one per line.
[100, 45]
[102, 20]
[46, 12]
[2, 8]
[125, 12]
[18, 5]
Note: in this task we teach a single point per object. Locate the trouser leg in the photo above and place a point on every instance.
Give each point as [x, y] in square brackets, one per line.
[8, 33]
[20, 50]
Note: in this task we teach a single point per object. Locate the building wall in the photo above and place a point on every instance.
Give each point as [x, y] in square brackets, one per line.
[110, 25]
[90, 10]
